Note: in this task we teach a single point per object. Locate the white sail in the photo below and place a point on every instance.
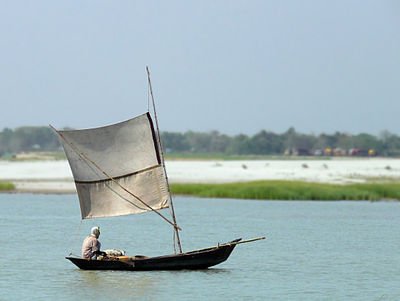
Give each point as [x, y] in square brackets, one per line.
[128, 153]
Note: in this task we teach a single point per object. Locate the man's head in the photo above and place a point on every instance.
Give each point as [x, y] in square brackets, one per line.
[95, 231]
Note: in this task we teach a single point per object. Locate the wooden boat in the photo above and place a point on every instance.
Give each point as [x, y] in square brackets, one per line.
[194, 260]
[119, 170]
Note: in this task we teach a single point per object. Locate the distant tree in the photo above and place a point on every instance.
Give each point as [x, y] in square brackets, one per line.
[199, 142]
[218, 142]
[174, 142]
[344, 141]
[324, 140]
[294, 140]
[266, 143]
[240, 145]
[262, 143]
[305, 142]
[5, 141]
[366, 141]
[289, 138]
[390, 144]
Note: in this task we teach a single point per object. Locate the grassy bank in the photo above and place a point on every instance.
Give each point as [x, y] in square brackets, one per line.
[291, 190]
[6, 186]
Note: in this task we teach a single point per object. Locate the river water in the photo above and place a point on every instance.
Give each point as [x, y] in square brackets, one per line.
[313, 251]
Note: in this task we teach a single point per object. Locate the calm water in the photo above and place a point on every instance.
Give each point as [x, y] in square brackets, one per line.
[314, 251]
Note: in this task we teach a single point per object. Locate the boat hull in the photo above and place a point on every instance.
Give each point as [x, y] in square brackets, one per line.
[195, 260]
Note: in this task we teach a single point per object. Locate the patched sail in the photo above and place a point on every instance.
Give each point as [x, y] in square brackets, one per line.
[128, 153]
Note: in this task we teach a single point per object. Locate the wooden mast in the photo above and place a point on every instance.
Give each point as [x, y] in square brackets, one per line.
[163, 162]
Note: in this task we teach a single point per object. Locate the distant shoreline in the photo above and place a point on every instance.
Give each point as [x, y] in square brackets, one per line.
[265, 190]
[54, 177]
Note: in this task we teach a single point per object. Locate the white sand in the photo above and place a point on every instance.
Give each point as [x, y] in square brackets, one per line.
[55, 176]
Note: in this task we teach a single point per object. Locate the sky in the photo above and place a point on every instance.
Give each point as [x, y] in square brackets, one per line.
[236, 67]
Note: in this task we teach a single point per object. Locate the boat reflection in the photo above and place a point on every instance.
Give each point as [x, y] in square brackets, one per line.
[112, 284]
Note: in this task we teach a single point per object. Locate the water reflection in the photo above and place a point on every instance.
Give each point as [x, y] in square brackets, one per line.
[112, 284]
[211, 271]
[128, 285]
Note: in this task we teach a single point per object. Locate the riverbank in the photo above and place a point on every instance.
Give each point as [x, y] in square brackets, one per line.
[292, 190]
[6, 186]
[258, 190]
[56, 177]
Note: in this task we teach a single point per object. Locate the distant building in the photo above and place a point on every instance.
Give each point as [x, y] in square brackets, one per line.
[357, 152]
[328, 151]
[297, 152]
[339, 152]
[318, 152]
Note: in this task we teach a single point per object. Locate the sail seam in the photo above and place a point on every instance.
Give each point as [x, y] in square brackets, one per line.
[119, 177]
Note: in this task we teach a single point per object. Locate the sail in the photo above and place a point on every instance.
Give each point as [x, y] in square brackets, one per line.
[128, 153]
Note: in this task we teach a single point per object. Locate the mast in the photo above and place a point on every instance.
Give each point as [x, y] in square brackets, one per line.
[176, 230]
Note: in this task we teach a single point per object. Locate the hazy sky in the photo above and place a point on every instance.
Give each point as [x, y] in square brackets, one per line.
[232, 66]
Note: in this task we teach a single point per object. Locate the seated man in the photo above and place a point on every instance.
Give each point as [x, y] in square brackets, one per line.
[91, 245]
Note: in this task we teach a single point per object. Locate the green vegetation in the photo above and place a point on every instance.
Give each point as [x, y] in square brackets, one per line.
[6, 186]
[291, 190]
[214, 145]
[269, 143]
[27, 139]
